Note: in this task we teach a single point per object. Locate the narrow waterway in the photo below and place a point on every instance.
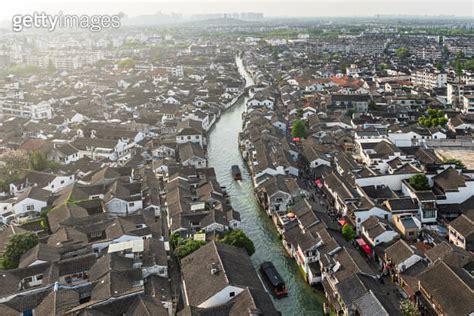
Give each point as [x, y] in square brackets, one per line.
[223, 152]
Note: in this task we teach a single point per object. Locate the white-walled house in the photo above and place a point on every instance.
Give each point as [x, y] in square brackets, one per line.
[455, 186]
[400, 256]
[128, 241]
[278, 192]
[461, 231]
[191, 154]
[414, 135]
[64, 154]
[361, 215]
[31, 202]
[47, 181]
[6, 211]
[124, 198]
[96, 148]
[120, 206]
[259, 100]
[377, 231]
[210, 283]
[190, 135]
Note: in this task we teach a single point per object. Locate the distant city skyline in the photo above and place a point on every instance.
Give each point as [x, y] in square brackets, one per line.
[301, 8]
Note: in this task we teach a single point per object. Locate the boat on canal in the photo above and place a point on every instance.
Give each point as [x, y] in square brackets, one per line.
[236, 174]
[273, 279]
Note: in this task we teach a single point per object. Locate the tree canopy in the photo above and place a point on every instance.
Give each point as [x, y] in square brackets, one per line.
[402, 52]
[298, 129]
[348, 232]
[126, 63]
[185, 247]
[15, 247]
[469, 65]
[39, 162]
[408, 308]
[456, 162]
[419, 182]
[238, 238]
[14, 162]
[433, 118]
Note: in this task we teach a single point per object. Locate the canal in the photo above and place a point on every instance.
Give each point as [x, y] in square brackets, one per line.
[223, 152]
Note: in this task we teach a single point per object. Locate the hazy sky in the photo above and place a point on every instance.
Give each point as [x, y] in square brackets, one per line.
[299, 8]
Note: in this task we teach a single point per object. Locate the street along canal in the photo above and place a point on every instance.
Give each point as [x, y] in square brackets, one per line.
[223, 152]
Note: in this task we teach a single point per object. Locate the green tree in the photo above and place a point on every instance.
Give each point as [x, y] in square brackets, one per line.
[188, 246]
[298, 129]
[433, 118]
[15, 247]
[469, 65]
[299, 113]
[348, 232]
[456, 162]
[419, 182]
[459, 68]
[14, 162]
[373, 106]
[44, 218]
[446, 50]
[38, 161]
[174, 240]
[382, 66]
[238, 238]
[126, 63]
[402, 52]
[342, 68]
[459, 54]
[408, 308]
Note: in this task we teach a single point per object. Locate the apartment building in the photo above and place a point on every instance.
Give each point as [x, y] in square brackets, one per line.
[468, 104]
[19, 108]
[456, 92]
[429, 79]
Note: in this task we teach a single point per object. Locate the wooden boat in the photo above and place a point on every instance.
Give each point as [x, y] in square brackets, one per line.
[273, 279]
[236, 174]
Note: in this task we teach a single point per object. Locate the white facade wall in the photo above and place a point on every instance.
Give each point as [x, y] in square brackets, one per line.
[195, 161]
[196, 139]
[59, 183]
[408, 263]
[362, 216]
[221, 297]
[28, 205]
[393, 181]
[460, 196]
[384, 237]
[121, 207]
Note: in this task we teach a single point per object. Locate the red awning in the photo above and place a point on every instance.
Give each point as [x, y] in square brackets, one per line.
[342, 222]
[360, 242]
[318, 183]
[367, 249]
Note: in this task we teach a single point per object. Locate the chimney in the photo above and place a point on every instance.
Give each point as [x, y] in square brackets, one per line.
[214, 269]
